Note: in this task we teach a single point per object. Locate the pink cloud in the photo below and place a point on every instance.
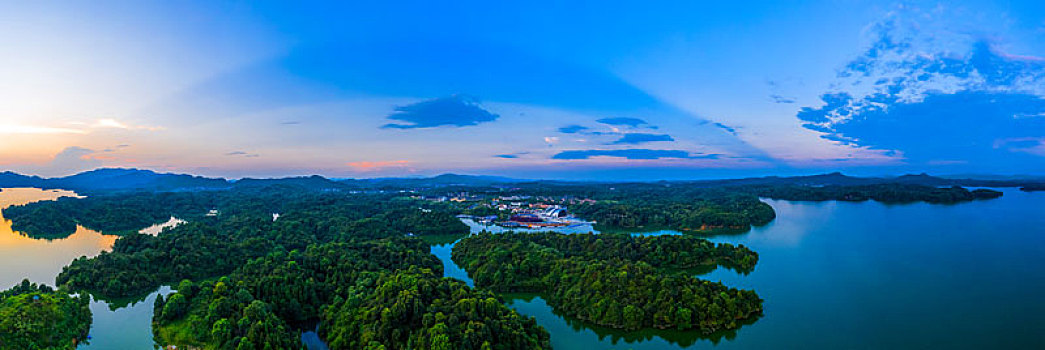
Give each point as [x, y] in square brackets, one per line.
[379, 164]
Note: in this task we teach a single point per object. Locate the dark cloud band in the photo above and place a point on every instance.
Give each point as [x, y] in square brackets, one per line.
[454, 111]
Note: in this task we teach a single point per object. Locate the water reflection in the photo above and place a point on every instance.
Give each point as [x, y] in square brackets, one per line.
[124, 323]
[570, 333]
[41, 260]
[118, 323]
[157, 228]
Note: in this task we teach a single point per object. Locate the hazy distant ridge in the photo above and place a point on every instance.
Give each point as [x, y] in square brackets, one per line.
[120, 179]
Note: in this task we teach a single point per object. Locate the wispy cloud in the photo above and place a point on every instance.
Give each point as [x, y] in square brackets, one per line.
[727, 128]
[243, 153]
[34, 129]
[76, 127]
[632, 154]
[640, 138]
[109, 123]
[781, 99]
[632, 122]
[376, 165]
[511, 155]
[572, 129]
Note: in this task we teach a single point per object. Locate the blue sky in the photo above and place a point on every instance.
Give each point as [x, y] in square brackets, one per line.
[582, 90]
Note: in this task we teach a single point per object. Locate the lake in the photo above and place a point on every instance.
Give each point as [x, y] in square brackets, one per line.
[118, 324]
[834, 275]
[841, 275]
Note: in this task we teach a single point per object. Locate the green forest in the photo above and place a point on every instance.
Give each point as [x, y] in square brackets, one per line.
[130, 212]
[247, 281]
[678, 206]
[357, 264]
[886, 193]
[707, 208]
[618, 281]
[36, 317]
[418, 309]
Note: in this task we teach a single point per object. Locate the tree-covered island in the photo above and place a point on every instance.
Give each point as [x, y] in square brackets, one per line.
[618, 281]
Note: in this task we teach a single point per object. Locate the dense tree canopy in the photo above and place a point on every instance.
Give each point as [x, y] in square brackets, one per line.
[209, 246]
[264, 280]
[38, 317]
[417, 309]
[886, 193]
[277, 292]
[616, 281]
[710, 206]
[130, 212]
[678, 206]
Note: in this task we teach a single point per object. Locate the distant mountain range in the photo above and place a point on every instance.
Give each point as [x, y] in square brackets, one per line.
[439, 180]
[119, 179]
[115, 179]
[839, 179]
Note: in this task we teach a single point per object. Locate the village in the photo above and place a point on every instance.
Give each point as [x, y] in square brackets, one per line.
[517, 211]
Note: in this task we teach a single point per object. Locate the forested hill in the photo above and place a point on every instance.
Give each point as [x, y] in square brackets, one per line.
[120, 180]
[116, 179]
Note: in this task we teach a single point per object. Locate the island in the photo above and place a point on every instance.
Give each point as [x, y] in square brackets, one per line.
[617, 281]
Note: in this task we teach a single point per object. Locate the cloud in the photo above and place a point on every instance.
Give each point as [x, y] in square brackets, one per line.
[34, 129]
[367, 166]
[69, 161]
[78, 127]
[781, 99]
[632, 122]
[455, 111]
[725, 127]
[511, 155]
[639, 138]
[924, 101]
[292, 122]
[551, 140]
[242, 153]
[632, 154]
[1032, 145]
[110, 123]
[572, 129]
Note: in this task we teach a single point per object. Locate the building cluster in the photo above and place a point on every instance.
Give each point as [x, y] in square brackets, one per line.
[520, 210]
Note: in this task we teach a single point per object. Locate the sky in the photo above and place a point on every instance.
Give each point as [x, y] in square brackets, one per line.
[560, 90]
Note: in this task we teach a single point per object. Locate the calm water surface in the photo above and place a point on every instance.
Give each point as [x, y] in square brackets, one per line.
[37, 259]
[122, 324]
[837, 275]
